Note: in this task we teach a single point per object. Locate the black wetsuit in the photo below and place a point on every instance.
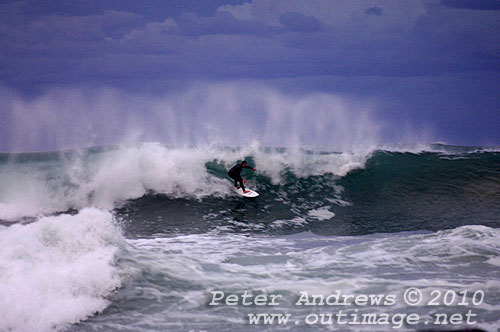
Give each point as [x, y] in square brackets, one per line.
[235, 174]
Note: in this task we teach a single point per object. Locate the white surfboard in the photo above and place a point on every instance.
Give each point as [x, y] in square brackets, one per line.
[249, 194]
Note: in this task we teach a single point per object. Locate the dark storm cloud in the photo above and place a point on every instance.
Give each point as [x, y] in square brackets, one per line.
[258, 40]
[375, 11]
[472, 4]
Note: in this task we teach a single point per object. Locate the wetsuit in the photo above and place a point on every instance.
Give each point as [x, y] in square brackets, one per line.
[235, 174]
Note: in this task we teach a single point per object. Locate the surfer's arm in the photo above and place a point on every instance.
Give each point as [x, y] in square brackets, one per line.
[249, 167]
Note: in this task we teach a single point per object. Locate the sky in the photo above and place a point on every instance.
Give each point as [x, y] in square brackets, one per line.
[280, 72]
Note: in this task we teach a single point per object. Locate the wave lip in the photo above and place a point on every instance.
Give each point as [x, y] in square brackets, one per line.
[57, 271]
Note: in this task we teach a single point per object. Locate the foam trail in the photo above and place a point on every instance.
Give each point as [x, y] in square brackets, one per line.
[57, 271]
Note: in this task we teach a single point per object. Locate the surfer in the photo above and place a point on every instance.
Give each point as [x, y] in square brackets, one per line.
[235, 174]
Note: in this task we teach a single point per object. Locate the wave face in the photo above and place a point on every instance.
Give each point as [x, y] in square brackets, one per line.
[134, 238]
[108, 177]
[385, 190]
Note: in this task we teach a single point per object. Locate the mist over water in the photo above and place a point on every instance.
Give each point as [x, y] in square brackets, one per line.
[227, 114]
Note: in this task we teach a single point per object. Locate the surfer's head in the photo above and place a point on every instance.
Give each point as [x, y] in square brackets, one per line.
[244, 163]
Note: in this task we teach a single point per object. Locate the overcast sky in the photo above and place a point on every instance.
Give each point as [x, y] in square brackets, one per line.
[84, 72]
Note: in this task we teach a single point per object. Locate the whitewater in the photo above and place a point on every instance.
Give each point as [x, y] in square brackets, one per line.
[137, 237]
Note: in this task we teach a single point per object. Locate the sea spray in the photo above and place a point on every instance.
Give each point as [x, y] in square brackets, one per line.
[231, 114]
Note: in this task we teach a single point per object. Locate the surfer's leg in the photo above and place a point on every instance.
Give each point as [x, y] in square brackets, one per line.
[241, 183]
[235, 180]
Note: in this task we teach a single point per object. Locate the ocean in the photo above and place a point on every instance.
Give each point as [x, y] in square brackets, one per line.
[149, 237]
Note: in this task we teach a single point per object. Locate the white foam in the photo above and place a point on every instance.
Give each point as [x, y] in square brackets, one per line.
[297, 221]
[302, 163]
[321, 214]
[106, 179]
[24, 193]
[57, 270]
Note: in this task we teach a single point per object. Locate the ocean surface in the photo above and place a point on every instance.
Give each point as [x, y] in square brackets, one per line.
[149, 237]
